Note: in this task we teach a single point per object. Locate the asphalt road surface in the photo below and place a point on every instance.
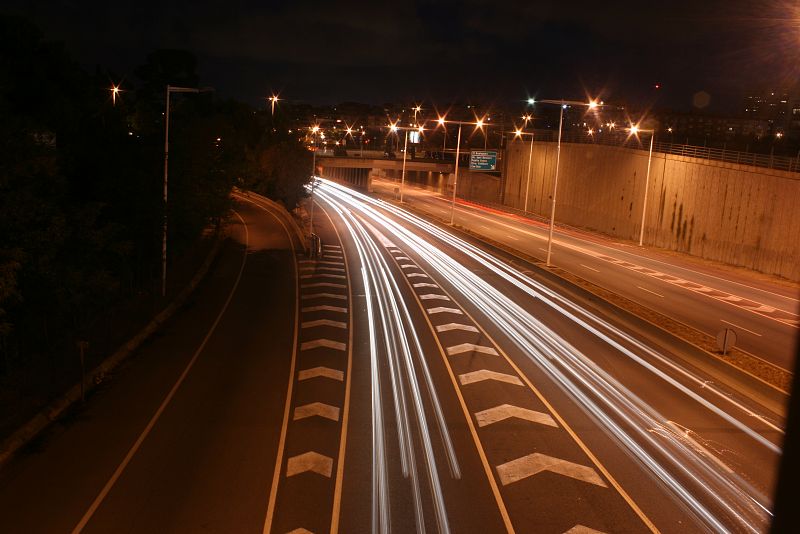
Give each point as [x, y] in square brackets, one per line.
[403, 381]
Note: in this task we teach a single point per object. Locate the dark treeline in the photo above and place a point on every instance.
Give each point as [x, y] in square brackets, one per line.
[81, 181]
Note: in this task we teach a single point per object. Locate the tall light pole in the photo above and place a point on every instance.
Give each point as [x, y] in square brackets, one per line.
[272, 101]
[170, 89]
[518, 133]
[394, 128]
[635, 130]
[592, 104]
[314, 130]
[479, 124]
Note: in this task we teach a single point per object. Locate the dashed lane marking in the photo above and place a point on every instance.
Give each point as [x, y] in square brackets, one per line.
[324, 307]
[324, 322]
[485, 374]
[507, 411]
[319, 409]
[469, 347]
[535, 463]
[326, 372]
[309, 461]
[455, 326]
[327, 343]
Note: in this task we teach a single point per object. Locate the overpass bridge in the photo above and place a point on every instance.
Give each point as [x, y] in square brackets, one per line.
[359, 171]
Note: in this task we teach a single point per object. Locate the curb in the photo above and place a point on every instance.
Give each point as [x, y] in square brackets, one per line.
[282, 210]
[56, 408]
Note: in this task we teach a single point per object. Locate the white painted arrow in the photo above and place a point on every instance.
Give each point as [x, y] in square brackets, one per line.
[469, 347]
[431, 311]
[323, 322]
[535, 463]
[317, 408]
[485, 374]
[455, 326]
[506, 411]
[433, 296]
[581, 529]
[324, 295]
[323, 284]
[324, 307]
[326, 372]
[309, 461]
[328, 343]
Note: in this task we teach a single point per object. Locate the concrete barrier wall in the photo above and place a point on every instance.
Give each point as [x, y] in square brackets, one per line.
[736, 214]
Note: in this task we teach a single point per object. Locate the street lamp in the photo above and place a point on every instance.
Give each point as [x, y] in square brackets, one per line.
[114, 92]
[518, 133]
[393, 128]
[478, 124]
[314, 130]
[635, 130]
[592, 104]
[170, 89]
[272, 101]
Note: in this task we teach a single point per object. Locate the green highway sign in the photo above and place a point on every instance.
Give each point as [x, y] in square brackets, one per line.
[483, 160]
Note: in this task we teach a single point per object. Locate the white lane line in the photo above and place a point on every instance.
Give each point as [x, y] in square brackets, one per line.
[324, 322]
[590, 268]
[535, 463]
[515, 238]
[326, 372]
[319, 409]
[653, 292]
[433, 296]
[507, 411]
[469, 347]
[324, 307]
[485, 374]
[323, 284]
[442, 309]
[327, 343]
[309, 461]
[424, 284]
[324, 295]
[741, 328]
[455, 326]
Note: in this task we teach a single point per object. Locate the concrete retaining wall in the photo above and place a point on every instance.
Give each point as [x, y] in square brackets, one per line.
[736, 214]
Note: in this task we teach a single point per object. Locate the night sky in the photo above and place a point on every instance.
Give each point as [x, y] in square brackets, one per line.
[490, 51]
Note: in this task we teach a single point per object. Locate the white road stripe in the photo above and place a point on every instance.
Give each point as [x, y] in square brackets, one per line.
[324, 322]
[417, 275]
[323, 284]
[485, 374]
[319, 409]
[469, 347]
[455, 326]
[324, 307]
[323, 275]
[326, 343]
[324, 295]
[309, 461]
[653, 292]
[507, 411]
[425, 284]
[741, 328]
[326, 372]
[433, 296]
[533, 464]
[442, 309]
[590, 268]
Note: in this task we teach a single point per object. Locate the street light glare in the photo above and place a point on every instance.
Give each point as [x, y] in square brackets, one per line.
[440, 120]
[593, 104]
[634, 129]
[479, 124]
[518, 132]
[531, 101]
[314, 129]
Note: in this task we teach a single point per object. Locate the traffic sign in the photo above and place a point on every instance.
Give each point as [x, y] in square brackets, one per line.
[483, 160]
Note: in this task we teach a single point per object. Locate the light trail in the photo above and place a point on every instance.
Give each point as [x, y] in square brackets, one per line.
[390, 320]
[623, 414]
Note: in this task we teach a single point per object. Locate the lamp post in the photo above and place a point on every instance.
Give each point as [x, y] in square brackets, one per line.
[170, 89]
[272, 101]
[393, 128]
[518, 133]
[479, 124]
[592, 104]
[635, 130]
[314, 130]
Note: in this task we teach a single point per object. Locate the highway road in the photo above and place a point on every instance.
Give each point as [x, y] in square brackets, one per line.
[764, 314]
[404, 381]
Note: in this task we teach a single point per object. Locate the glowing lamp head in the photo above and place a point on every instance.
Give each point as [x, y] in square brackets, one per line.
[393, 127]
[634, 129]
[418, 108]
[531, 101]
[593, 104]
[440, 120]
[479, 124]
[314, 129]
[517, 133]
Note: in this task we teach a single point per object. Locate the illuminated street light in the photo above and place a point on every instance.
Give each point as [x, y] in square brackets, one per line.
[531, 101]
[394, 127]
[563, 104]
[518, 133]
[114, 92]
[272, 101]
[636, 130]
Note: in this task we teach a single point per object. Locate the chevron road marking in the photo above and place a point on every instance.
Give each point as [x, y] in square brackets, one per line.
[309, 461]
[580, 529]
[337, 263]
[535, 463]
[402, 258]
[334, 269]
[300, 531]
[469, 347]
[317, 408]
[324, 307]
[323, 284]
[324, 295]
[441, 309]
[455, 326]
[324, 322]
[507, 411]
[432, 296]
[308, 345]
[408, 266]
[323, 275]
[485, 374]
[417, 275]
[325, 372]
[425, 284]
